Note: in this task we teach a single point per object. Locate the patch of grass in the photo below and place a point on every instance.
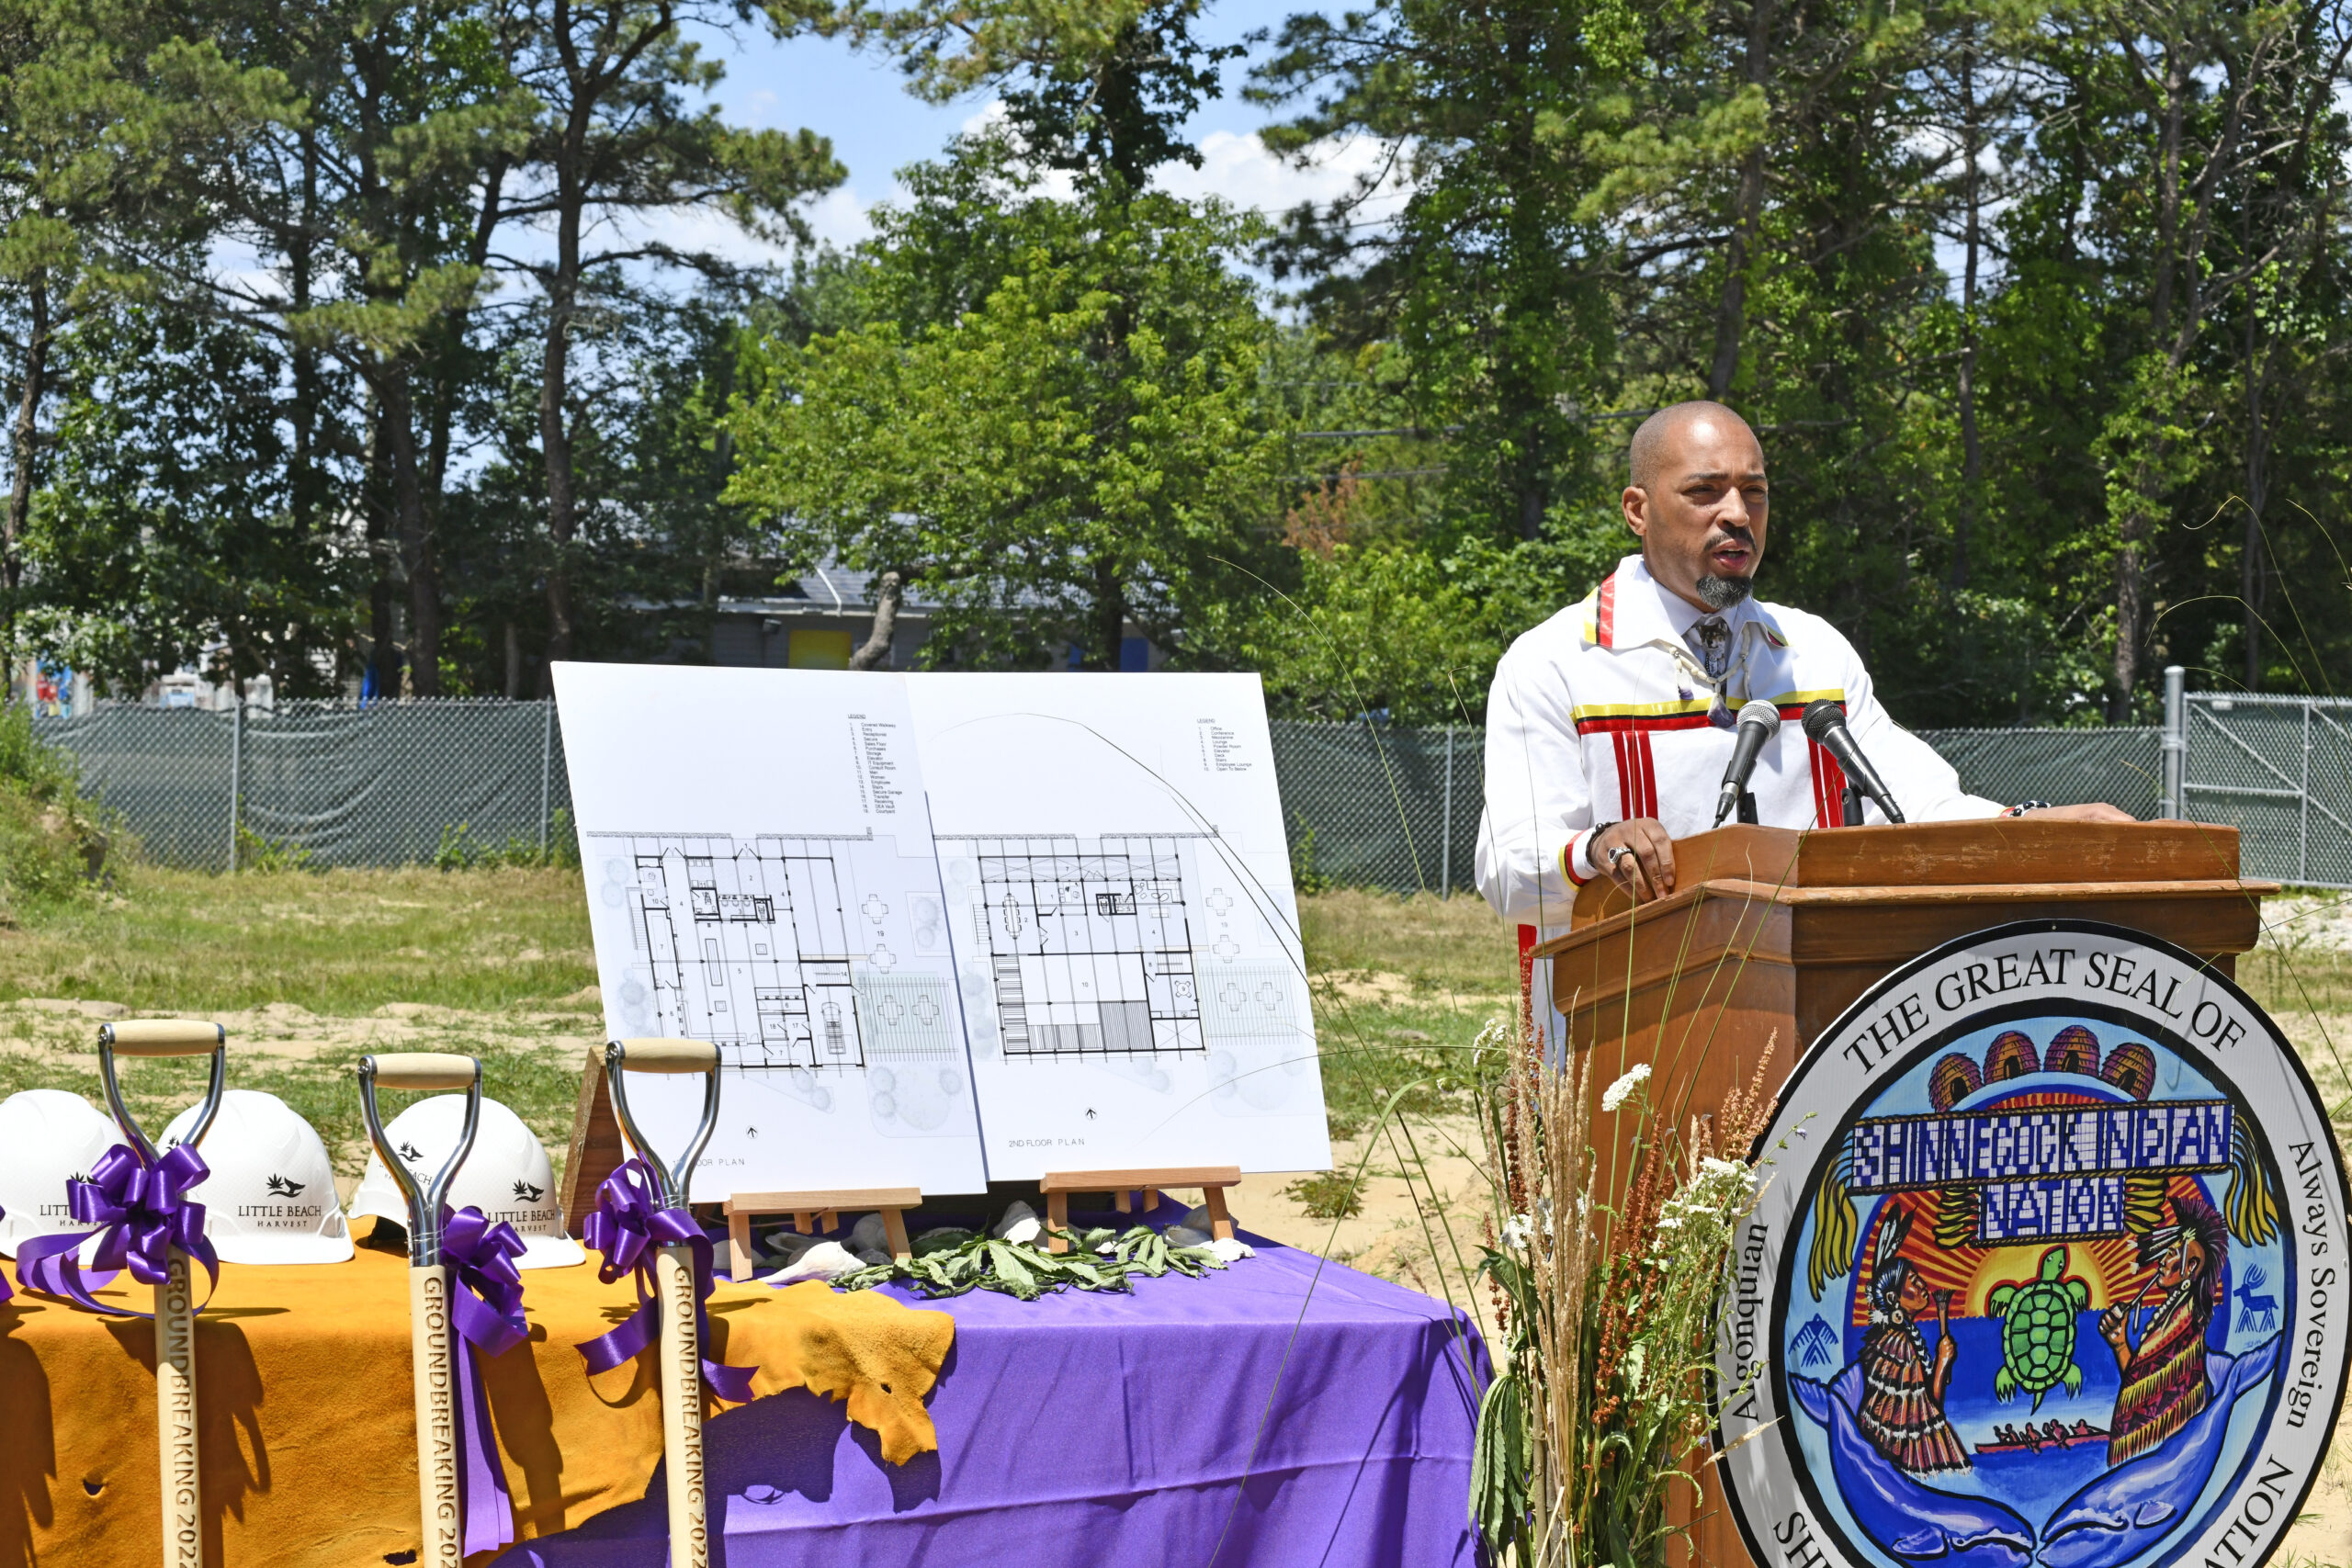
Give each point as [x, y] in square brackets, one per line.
[1401, 989]
[1437, 944]
[342, 943]
[2298, 978]
[499, 960]
[537, 1078]
[1367, 1058]
[55, 847]
[1335, 1195]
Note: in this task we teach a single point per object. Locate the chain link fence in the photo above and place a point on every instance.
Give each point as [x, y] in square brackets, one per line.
[2280, 770]
[1369, 807]
[398, 783]
[394, 783]
[2122, 766]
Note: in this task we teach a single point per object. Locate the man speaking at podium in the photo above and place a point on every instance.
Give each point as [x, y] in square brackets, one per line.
[1611, 726]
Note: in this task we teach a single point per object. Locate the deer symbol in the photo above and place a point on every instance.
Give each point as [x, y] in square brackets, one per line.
[2256, 1311]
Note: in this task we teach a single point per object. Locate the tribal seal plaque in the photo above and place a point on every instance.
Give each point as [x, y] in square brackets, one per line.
[2049, 1267]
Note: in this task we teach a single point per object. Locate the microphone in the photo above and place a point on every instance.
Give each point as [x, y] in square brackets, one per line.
[1759, 722]
[1824, 725]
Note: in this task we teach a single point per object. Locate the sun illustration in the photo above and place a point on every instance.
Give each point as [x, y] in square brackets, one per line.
[2108, 1265]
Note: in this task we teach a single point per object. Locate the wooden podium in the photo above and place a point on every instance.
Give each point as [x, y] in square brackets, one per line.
[1774, 930]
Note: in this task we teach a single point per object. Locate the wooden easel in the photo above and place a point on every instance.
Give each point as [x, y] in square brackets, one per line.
[1211, 1180]
[597, 1147]
[597, 1151]
[814, 1212]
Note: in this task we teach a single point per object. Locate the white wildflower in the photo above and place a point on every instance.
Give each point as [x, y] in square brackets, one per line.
[1616, 1094]
[1521, 1229]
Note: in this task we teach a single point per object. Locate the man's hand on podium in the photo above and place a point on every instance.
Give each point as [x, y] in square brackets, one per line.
[2097, 811]
[1638, 856]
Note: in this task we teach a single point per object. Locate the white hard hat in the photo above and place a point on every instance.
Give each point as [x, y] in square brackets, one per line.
[270, 1197]
[47, 1137]
[507, 1176]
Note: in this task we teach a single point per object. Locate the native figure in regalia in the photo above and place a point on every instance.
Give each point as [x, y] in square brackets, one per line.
[1903, 1398]
[2165, 1382]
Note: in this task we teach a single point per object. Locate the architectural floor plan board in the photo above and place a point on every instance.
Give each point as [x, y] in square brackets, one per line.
[761, 874]
[1118, 895]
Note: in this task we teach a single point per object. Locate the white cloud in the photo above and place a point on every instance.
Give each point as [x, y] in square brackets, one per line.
[1236, 167]
[1242, 170]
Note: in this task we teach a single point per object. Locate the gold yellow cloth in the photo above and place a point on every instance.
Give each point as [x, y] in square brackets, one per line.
[308, 1416]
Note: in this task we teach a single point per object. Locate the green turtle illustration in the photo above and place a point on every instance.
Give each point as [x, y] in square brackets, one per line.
[2037, 1331]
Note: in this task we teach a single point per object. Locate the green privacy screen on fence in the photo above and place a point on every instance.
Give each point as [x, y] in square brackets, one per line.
[1365, 805]
[375, 787]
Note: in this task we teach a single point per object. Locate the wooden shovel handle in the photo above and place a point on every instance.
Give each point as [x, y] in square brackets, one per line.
[669, 1055]
[679, 1350]
[433, 1350]
[424, 1069]
[163, 1037]
[176, 1415]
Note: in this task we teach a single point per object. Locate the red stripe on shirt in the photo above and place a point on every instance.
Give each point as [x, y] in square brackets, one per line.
[1828, 789]
[1649, 774]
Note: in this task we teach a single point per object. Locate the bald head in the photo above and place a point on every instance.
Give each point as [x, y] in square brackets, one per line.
[1699, 501]
[1659, 435]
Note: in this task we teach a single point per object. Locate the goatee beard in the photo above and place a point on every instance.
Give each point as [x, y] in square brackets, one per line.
[1722, 592]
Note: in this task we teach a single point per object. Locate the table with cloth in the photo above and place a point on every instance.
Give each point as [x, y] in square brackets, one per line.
[1283, 1411]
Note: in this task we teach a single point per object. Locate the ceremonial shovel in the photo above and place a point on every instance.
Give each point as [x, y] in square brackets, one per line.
[174, 1300]
[678, 1344]
[432, 1339]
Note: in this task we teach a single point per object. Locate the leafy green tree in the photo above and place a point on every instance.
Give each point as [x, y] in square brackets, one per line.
[1081, 450]
[1101, 88]
[615, 139]
[168, 525]
[371, 205]
[103, 112]
[652, 378]
[1491, 280]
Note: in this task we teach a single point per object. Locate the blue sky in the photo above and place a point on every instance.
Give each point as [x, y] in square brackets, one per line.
[860, 101]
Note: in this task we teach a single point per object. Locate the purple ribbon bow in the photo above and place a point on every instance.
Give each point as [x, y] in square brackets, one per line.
[486, 1307]
[6, 1289]
[141, 1210]
[626, 1227]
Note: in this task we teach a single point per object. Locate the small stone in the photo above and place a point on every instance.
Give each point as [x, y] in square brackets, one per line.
[1231, 1249]
[821, 1261]
[1196, 1218]
[869, 1233]
[1185, 1235]
[873, 1257]
[786, 1246]
[940, 1239]
[1019, 1214]
[1414, 1035]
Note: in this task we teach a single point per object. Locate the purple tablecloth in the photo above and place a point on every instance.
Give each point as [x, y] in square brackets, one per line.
[1286, 1412]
